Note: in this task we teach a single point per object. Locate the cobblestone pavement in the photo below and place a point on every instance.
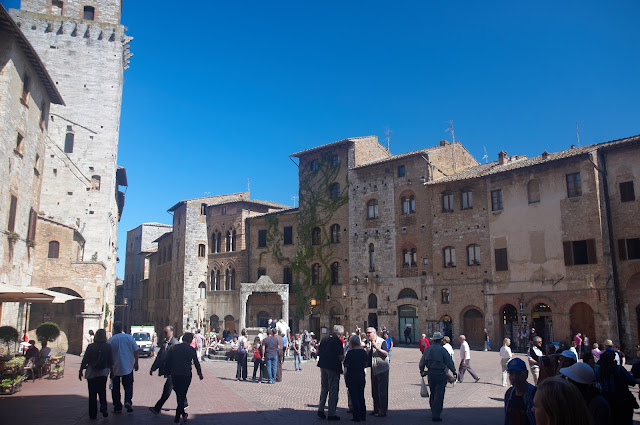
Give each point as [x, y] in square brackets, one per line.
[219, 399]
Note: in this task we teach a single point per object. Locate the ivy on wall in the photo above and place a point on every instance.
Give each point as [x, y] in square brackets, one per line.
[316, 209]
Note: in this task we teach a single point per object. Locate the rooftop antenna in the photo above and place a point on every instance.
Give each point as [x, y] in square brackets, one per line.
[578, 131]
[388, 139]
[294, 198]
[248, 185]
[450, 130]
[485, 157]
[206, 193]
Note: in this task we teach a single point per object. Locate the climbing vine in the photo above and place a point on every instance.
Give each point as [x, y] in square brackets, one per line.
[317, 209]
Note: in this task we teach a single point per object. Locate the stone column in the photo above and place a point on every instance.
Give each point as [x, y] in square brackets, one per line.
[284, 295]
[89, 321]
[244, 298]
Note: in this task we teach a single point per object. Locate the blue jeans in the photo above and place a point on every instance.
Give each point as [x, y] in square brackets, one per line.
[272, 367]
[297, 361]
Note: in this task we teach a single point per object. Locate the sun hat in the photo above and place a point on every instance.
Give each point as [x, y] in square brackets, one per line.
[516, 364]
[569, 354]
[579, 372]
[608, 343]
[436, 336]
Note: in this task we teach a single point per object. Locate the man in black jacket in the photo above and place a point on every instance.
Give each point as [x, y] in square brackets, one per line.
[330, 356]
[178, 365]
[159, 364]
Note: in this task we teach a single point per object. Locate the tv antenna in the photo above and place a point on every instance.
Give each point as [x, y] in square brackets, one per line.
[451, 130]
[387, 133]
[485, 157]
[578, 131]
[248, 185]
[294, 198]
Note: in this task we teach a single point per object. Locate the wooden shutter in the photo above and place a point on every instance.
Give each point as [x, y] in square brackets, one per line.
[591, 251]
[11, 225]
[568, 253]
[622, 249]
[33, 217]
[501, 259]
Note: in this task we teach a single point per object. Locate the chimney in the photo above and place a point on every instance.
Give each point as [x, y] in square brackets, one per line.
[444, 142]
[502, 157]
[545, 155]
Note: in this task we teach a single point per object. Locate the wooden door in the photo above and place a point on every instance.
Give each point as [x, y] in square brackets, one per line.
[474, 328]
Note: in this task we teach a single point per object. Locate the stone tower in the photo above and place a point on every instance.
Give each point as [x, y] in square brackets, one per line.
[84, 47]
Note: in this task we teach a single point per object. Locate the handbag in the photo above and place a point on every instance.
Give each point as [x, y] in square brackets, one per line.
[424, 390]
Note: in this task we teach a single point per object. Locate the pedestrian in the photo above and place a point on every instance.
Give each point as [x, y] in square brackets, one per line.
[578, 344]
[178, 363]
[465, 360]
[389, 341]
[331, 355]
[607, 344]
[532, 336]
[354, 364]
[615, 381]
[424, 343]
[258, 361]
[446, 344]
[297, 352]
[583, 377]
[379, 364]
[574, 349]
[270, 355]
[159, 364]
[125, 361]
[549, 364]
[98, 362]
[567, 358]
[407, 334]
[557, 401]
[306, 340]
[241, 356]
[505, 356]
[198, 341]
[534, 358]
[280, 355]
[519, 399]
[596, 351]
[522, 337]
[585, 345]
[487, 341]
[437, 360]
[154, 342]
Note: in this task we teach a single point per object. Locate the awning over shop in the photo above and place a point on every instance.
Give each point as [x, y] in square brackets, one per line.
[30, 294]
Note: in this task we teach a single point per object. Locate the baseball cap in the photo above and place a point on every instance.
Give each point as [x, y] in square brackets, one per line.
[516, 364]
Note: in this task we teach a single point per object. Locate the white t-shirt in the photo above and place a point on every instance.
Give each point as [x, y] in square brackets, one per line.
[449, 349]
[464, 351]
[505, 353]
[241, 341]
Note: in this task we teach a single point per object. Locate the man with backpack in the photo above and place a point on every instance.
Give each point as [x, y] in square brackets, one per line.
[159, 364]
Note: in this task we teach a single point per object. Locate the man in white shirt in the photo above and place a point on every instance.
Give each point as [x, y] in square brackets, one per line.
[465, 360]
[125, 361]
[535, 353]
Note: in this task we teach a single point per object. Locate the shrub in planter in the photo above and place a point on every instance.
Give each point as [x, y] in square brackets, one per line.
[8, 334]
[48, 331]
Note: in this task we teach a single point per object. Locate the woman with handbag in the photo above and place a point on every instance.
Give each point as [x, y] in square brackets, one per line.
[98, 361]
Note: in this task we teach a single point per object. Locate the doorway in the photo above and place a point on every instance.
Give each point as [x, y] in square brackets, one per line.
[473, 322]
[229, 323]
[408, 318]
[510, 323]
[581, 319]
[543, 322]
[446, 324]
[314, 325]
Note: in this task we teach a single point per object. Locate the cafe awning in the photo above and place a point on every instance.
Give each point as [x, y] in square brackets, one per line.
[30, 294]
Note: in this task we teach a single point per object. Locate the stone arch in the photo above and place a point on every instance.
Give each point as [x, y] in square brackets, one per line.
[472, 319]
[372, 301]
[581, 320]
[229, 323]
[407, 293]
[67, 316]
[214, 322]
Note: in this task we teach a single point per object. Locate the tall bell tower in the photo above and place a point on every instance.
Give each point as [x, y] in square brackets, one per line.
[85, 50]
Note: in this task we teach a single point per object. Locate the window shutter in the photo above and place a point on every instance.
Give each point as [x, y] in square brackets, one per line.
[591, 251]
[622, 249]
[31, 233]
[568, 254]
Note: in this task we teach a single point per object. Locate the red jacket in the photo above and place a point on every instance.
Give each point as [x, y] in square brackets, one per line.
[424, 343]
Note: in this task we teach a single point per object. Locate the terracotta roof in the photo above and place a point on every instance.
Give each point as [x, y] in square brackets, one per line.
[8, 25]
[288, 210]
[520, 161]
[334, 144]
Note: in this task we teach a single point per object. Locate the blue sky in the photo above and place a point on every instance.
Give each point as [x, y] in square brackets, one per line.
[223, 92]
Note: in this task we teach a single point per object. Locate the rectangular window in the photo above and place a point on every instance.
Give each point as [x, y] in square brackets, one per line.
[335, 160]
[501, 259]
[629, 249]
[262, 238]
[467, 199]
[313, 165]
[447, 202]
[223, 211]
[401, 172]
[627, 193]
[261, 272]
[574, 187]
[287, 276]
[31, 232]
[20, 144]
[496, 200]
[580, 252]
[89, 13]
[288, 235]
[11, 224]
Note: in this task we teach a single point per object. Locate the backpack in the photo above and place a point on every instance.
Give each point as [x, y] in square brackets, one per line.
[241, 348]
[422, 343]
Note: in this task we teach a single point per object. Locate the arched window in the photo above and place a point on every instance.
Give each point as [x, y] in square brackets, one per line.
[372, 302]
[228, 241]
[68, 140]
[473, 255]
[315, 236]
[533, 191]
[212, 281]
[214, 243]
[203, 209]
[54, 249]
[335, 233]
[202, 291]
[334, 191]
[408, 293]
[95, 182]
[335, 273]
[408, 204]
[89, 13]
[449, 254]
[232, 283]
[372, 257]
[410, 257]
[201, 250]
[227, 280]
[467, 198]
[447, 201]
[372, 209]
[315, 274]
[233, 240]
[445, 296]
[217, 280]
[218, 242]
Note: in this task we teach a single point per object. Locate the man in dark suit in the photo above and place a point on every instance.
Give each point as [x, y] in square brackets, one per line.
[159, 365]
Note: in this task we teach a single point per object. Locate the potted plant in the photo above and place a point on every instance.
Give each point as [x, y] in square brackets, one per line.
[31, 243]
[8, 334]
[13, 236]
[48, 331]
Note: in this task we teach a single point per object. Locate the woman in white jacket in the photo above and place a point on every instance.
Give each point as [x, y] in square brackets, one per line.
[505, 356]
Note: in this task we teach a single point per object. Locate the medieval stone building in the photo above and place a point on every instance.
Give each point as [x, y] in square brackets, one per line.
[426, 240]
